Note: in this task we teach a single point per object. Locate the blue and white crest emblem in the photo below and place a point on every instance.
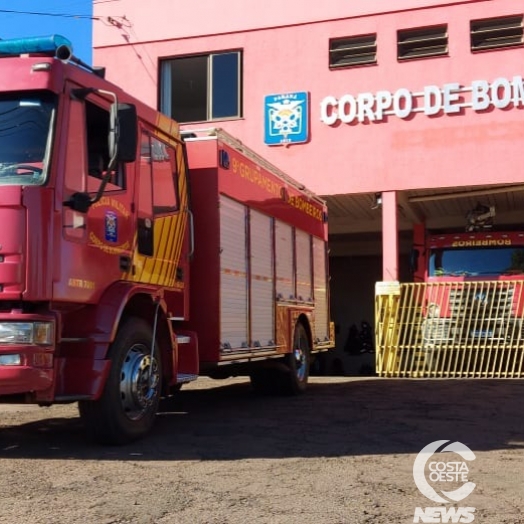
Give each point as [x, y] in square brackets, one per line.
[286, 118]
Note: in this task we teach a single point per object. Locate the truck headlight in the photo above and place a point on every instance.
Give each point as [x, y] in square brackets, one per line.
[433, 310]
[10, 360]
[39, 333]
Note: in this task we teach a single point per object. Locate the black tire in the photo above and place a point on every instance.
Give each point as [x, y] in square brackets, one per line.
[127, 409]
[297, 363]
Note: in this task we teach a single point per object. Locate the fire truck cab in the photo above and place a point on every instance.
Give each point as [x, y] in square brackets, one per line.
[467, 300]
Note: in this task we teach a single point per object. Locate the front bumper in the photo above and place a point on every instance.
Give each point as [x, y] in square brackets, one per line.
[26, 358]
[21, 379]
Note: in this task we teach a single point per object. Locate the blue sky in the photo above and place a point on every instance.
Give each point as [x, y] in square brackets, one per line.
[69, 18]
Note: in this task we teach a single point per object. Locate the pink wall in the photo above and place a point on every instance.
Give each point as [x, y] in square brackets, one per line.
[290, 53]
[157, 20]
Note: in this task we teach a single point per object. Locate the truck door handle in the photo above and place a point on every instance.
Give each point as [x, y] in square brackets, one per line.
[125, 263]
[191, 234]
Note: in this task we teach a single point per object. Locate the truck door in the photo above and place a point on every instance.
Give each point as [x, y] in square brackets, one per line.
[161, 223]
[96, 246]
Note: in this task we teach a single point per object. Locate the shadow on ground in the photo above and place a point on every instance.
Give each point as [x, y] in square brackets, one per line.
[347, 417]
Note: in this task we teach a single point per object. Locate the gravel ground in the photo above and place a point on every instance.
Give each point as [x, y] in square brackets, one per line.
[341, 453]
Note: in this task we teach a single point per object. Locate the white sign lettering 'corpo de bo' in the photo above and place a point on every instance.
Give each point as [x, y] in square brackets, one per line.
[451, 98]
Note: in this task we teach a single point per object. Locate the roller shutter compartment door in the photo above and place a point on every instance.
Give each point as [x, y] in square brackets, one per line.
[320, 290]
[233, 275]
[262, 299]
[285, 285]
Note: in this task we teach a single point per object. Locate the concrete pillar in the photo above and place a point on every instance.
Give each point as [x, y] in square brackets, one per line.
[389, 236]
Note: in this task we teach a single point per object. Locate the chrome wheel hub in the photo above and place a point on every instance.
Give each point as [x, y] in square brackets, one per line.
[139, 381]
[300, 360]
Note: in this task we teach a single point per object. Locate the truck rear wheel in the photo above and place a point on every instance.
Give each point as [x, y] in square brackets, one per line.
[297, 362]
[127, 408]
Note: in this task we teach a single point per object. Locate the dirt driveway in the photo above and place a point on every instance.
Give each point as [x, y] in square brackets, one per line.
[342, 453]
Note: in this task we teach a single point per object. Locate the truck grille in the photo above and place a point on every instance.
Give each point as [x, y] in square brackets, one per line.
[452, 329]
[483, 312]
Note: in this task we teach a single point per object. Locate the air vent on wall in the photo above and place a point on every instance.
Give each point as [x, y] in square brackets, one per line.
[353, 51]
[496, 33]
[422, 42]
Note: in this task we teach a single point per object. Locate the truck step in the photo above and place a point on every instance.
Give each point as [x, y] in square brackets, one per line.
[184, 378]
[183, 339]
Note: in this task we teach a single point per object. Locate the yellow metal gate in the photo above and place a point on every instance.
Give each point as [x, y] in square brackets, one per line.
[450, 329]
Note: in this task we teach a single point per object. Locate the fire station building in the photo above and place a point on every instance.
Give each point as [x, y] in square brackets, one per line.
[397, 113]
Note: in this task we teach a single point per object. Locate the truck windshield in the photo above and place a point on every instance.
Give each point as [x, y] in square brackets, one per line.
[25, 137]
[492, 261]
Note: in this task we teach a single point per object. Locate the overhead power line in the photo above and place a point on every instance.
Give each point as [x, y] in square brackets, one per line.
[63, 15]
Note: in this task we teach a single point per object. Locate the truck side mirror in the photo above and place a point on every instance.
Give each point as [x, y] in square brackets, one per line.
[123, 127]
[127, 132]
[122, 144]
[122, 137]
[413, 260]
[122, 141]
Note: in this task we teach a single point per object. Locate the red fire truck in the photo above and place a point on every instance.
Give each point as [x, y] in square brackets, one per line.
[124, 274]
[472, 316]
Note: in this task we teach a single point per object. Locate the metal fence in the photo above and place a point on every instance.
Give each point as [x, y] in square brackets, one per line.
[450, 329]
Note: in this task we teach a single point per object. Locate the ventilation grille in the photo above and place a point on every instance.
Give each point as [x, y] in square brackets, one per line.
[496, 33]
[353, 51]
[422, 42]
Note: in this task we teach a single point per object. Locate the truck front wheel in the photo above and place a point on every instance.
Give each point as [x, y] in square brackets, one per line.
[127, 408]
